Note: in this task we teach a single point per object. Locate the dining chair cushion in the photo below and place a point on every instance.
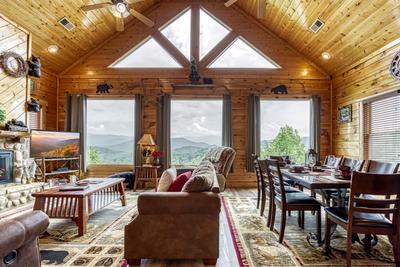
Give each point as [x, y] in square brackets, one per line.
[290, 189]
[301, 198]
[360, 218]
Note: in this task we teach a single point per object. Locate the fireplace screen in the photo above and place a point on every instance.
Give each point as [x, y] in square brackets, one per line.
[6, 166]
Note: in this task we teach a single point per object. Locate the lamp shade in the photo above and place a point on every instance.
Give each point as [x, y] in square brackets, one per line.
[147, 140]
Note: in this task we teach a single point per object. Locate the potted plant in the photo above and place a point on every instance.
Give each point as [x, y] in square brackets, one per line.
[2, 115]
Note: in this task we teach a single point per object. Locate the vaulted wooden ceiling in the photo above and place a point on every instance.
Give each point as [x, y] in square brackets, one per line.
[41, 17]
[353, 28]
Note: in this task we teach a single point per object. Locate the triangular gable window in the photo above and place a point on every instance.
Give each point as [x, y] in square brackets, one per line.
[240, 54]
[149, 54]
[211, 32]
[178, 32]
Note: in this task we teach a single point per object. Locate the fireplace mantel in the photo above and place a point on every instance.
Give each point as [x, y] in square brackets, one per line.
[12, 134]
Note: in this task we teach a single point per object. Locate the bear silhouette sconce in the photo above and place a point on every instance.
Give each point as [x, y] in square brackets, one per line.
[104, 88]
[280, 89]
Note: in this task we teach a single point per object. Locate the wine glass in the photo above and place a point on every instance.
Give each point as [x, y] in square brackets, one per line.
[312, 160]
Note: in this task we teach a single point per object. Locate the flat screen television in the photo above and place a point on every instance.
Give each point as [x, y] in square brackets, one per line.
[52, 144]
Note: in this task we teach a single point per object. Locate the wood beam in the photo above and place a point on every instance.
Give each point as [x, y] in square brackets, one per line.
[195, 32]
[261, 9]
[218, 50]
[171, 49]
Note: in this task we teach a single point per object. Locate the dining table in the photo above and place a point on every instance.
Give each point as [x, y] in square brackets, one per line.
[325, 178]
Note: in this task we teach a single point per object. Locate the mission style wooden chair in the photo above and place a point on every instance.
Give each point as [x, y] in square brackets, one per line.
[367, 215]
[254, 158]
[382, 167]
[288, 201]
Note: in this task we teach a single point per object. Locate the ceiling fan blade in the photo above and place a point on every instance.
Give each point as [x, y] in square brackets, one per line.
[119, 24]
[261, 9]
[142, 18]
[230, 2]
[133, 1]
[95, 6]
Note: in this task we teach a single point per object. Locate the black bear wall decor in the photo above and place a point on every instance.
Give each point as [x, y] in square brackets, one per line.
[34, 105]
[280, 89]
[103, 88]
[34, 67]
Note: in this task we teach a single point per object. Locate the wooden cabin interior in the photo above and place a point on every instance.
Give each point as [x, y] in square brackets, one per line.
[199, 133]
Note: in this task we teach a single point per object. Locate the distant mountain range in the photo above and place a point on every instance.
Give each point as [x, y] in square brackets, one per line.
[114, 149]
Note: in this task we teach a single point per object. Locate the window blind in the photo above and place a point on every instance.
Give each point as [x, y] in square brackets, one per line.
[381, 120]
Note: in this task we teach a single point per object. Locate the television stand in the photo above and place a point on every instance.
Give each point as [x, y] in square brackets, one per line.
[47, 167]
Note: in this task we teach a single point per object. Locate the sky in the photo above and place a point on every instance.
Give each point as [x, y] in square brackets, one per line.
[276, 113]
[102, 114]
[197, 120]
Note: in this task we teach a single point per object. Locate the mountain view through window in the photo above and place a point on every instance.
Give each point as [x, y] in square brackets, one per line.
[196, 126]
[110, 131]
[285, 128]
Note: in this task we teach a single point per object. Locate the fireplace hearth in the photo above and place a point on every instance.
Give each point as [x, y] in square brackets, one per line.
[6, 166]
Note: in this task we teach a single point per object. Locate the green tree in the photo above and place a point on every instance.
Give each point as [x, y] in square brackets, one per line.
[94, 157]
[287, 142]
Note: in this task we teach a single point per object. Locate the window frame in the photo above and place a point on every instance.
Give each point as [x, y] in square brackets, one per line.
[107, 167]
[361, 123]
[286, 98]
[193, 98]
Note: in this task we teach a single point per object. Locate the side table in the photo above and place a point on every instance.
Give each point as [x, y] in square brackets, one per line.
[147, 174]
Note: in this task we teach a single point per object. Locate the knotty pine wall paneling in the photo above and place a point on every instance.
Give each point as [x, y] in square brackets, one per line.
[87, 73]
[366, 78]
[46, 90]
[13, 91]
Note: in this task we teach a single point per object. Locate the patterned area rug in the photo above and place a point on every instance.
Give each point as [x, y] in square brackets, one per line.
[102, 245]
[259, 246]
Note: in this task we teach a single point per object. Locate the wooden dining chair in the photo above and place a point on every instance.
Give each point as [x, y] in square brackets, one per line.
[382, 167]
[364, 215]
[294, 201]
[254, 159]
[334, 164]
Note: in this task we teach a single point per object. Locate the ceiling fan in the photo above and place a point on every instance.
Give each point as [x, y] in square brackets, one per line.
[121, 9]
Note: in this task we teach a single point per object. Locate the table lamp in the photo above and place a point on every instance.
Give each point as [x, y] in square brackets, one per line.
[147, 142]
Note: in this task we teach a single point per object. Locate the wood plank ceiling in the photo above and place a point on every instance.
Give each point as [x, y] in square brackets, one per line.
[353, 28]
[41, 17]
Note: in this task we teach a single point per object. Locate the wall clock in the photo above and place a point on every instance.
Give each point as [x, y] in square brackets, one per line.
[395, 66]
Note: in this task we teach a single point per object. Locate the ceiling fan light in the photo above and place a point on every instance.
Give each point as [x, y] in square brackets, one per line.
[121, 7]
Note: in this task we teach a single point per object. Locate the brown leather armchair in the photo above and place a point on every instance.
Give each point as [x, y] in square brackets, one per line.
[19, 239]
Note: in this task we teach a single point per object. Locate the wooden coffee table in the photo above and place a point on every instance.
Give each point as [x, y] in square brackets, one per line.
[79, 205]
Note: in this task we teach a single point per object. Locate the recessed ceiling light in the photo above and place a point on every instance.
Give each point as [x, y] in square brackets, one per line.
[305, 72]
[53, 48]
[325, 55]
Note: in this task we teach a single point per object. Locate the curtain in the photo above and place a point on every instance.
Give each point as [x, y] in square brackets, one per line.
[164, 128]
[227, 132]
[253, 130]
[315, 124]
[139, 106]
[75, 121]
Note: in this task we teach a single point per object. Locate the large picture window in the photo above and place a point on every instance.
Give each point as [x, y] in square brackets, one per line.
[285, 128]
[382, 128]
[196, 126]
[110, 131]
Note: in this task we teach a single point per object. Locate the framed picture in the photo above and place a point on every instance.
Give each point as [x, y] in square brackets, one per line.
[345, 114]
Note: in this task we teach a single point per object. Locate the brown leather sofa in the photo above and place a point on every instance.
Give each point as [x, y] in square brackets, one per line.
[176, 225]
[19, 239]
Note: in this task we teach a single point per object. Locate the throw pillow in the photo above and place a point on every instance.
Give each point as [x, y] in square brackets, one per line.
[179, 182]
[202, 178]
[166, 179]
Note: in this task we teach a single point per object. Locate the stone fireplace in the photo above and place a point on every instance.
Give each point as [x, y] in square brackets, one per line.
[6, 166]
[15, 189]
[16, 151]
